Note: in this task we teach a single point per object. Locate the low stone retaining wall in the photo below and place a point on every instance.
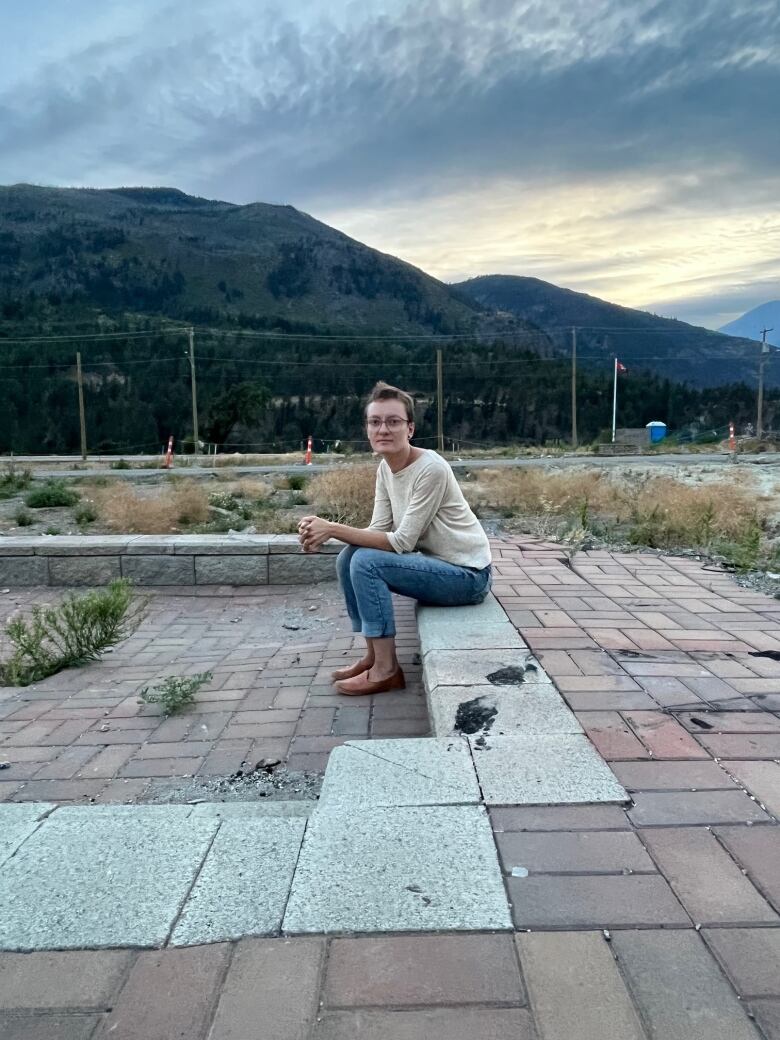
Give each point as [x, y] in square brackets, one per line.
[66, 560]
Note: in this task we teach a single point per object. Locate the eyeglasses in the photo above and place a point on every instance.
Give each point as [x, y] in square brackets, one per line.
[393, 423]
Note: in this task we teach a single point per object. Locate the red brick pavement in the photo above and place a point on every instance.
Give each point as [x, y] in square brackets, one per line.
[661, 920]
[83, 735]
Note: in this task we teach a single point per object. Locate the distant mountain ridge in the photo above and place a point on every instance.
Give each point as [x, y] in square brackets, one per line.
[750, 324]
[159, 251]
[664, 345]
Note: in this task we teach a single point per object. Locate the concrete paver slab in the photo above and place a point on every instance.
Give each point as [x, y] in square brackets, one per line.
[100, 876]
[475, 667]
[243, 886]
[751, 957]
[255, 810]
[679, 987]
[432, 1023]
[541, 770]
[575, 988]
[17, 822]
[500, 710]
[594, 901]
[420, 771]
[399, 869]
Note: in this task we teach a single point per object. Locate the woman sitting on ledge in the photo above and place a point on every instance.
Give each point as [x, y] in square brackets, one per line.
[423, 541]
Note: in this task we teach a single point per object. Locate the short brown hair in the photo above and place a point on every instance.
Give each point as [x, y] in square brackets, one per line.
[385, 392]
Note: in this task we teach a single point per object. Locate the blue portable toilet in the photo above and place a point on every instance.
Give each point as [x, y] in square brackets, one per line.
[657, 431]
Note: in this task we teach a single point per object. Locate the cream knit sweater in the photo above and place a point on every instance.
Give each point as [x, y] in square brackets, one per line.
[423, 509]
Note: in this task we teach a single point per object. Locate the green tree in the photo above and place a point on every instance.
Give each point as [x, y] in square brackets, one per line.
[243, 403]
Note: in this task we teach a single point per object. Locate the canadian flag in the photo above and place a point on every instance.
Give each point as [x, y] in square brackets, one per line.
[620, 366]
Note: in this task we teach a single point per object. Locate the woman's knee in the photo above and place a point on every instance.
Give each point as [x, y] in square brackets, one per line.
[344, 559]
[364, 559]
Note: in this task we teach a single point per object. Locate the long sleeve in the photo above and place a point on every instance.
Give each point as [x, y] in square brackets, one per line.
[424, 503]
[382, 517]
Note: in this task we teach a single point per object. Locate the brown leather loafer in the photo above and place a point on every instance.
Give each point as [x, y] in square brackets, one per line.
[350, 673]
[361, 685]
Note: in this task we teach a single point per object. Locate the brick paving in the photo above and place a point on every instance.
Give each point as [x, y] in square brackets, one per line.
[658, 921]
[83, 736]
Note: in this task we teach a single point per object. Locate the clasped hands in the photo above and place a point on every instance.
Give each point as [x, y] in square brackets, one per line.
[312, 532]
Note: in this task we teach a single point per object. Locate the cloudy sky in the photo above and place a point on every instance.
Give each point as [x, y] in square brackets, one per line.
[625, 148]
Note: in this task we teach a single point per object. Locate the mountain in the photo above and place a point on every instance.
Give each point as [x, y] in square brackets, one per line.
[765, 316]
[159, 251]
[666, 346]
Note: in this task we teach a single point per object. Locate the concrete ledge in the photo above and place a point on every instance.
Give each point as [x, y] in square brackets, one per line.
[159, 560]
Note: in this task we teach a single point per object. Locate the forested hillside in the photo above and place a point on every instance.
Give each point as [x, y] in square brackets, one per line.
[293, 324]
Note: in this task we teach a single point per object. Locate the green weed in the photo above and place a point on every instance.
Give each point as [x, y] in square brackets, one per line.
[51, 494]
[175, 693]
[71, 634]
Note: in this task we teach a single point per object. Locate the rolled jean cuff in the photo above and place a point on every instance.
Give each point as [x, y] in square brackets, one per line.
[377, 635]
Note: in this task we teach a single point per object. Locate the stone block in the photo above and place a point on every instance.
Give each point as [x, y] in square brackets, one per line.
[422, 970]
[159, 570]
[255, 810]
[459, 1023]
[83, 570]
[705, 879]
[17, 546]
[375, 773]
[23, 571]
[220, 545]
[301, 568]
[677, 984]
[605, 901]
[500, 710]
[762, 779]
[672, 776]
[757, 849]
[48, 1027]
[231, 570]
[542, 769]
[559, 818]
[667, 808]
[480, 668]
[102, 876]
[78, 979]
[243, 885]
[582, 852]
[17, 823]
[750, 957]
[431, 868]
[270, 990]
[575, 988]
[169, 993]
[767, 1014]
[285, 544]
[82, 545]
[151, 544]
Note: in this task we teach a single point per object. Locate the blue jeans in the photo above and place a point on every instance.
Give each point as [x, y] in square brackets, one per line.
[368, 576]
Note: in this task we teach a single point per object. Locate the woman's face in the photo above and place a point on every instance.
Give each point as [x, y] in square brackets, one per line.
[388, 428]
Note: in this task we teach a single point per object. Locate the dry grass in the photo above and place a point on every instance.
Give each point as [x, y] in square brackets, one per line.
[346, 496]
[656, 511]
[125, 509]
[256, 490]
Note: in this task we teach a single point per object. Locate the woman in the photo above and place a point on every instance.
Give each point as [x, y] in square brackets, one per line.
[423, 541]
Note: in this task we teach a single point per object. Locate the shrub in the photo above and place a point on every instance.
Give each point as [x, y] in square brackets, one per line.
[120, 464]
[24, 518]
[297, 481]
[125, 509]
[51, 529]
[13, 480]
[75, 632]
[85, 513]
[50, 495]
[175, 693]
[344, 495]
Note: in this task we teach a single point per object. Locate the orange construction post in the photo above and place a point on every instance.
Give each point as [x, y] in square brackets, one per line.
[308, 452]
[732, 438]
[169, 453]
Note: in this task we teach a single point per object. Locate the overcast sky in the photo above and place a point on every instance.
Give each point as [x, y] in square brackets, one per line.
[625, 148]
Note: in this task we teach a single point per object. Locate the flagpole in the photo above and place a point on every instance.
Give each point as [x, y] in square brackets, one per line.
[614, 403]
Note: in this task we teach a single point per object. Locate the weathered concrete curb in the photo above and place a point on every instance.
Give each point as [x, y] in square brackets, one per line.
[65, 560]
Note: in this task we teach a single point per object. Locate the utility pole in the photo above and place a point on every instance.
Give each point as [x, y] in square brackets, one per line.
[440, 399]
[195, 435]
[761, 365]
[82, 422]
[574, 387]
